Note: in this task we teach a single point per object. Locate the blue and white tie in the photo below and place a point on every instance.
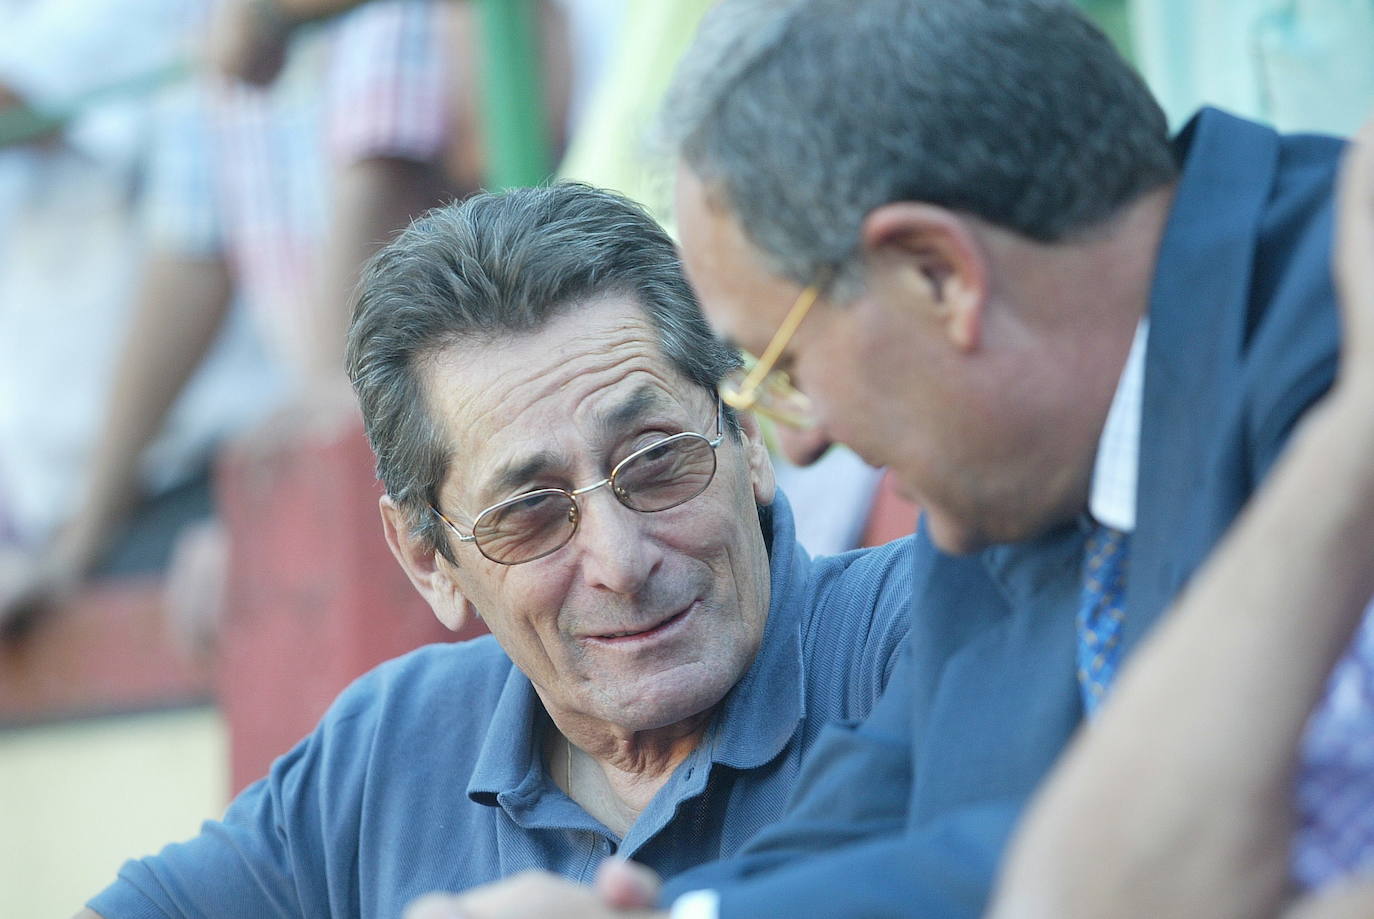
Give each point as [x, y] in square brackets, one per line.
[1100, 614]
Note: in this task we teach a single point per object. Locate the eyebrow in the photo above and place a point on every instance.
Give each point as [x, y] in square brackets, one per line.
[641, 402]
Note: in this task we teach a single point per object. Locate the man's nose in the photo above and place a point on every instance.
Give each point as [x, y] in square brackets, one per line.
[802, 447]
[612, 540]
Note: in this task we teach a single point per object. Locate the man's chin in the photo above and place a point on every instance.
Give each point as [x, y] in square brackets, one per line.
[669, 699]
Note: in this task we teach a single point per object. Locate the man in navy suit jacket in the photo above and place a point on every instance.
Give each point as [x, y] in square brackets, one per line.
[961, 228]
[1044, 317]
[1206, 737]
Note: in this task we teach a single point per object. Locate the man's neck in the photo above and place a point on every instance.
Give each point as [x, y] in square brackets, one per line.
[614, 774]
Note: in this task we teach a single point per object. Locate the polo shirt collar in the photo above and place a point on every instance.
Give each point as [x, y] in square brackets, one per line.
[764, 709]
[509, 768]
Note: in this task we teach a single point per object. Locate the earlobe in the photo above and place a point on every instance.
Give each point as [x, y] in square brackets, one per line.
[935, 251]
[430, 573]
[964, 316]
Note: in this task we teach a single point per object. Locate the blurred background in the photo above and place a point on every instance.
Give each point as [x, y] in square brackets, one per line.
[191, 565]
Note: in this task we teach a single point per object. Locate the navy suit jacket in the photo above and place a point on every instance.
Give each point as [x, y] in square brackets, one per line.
[907, 813]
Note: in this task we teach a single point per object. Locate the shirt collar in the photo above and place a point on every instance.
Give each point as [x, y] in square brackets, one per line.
[762, 712]
[755, 721]
[1111, 500]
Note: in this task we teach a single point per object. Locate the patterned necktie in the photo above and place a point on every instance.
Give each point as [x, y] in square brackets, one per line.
[1100, 614]
[1335, 787]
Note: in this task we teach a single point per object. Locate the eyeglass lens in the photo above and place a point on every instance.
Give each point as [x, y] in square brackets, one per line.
[657, 478]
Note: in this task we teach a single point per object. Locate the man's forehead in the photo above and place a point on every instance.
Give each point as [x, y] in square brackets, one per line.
[566, 427]
[591, 336]
[549, 454]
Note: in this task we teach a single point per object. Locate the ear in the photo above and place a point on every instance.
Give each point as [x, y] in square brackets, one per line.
[933, 253]
[760, 461]
[432, 574]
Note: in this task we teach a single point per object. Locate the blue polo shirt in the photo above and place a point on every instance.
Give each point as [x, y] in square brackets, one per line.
[426, 773]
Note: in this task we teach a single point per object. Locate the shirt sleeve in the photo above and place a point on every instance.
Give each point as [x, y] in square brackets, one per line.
[943, 870]
[237, 868]
[286, 846]
[845, 847]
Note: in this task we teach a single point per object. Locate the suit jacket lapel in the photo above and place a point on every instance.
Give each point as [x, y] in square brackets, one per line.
[1198, 311]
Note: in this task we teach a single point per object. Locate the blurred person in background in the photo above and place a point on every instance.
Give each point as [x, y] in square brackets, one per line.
[271, 198]
[84, 73]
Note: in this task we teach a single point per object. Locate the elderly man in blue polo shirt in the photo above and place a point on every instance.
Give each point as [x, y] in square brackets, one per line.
[540, 389]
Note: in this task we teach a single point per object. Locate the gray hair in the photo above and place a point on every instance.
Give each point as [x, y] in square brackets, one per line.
[499, 264]
[805, 115]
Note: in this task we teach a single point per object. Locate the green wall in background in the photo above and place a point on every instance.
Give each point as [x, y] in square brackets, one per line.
[513, 119]
[1114, 18]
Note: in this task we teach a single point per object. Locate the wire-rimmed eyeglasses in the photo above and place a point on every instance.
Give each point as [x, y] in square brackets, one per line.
[654, 478]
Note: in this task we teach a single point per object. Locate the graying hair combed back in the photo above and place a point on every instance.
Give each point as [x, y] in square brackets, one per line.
[493, 265]
[805, 115]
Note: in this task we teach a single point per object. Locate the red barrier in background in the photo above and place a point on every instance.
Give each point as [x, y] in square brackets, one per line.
[315, 597]
[106, 651]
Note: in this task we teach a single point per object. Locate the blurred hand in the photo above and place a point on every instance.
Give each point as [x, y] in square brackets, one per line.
[627, 885]
[248, 41]
[539, 894]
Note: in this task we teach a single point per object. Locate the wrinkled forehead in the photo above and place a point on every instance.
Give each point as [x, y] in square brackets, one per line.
[514, 406]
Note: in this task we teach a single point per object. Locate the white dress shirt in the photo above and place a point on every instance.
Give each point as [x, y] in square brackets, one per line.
[1111, 500]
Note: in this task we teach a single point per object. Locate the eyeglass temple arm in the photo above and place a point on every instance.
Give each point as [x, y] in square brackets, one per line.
[780, 339]
[472, 537]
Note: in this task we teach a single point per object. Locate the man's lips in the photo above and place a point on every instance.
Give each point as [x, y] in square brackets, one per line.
[629, 636]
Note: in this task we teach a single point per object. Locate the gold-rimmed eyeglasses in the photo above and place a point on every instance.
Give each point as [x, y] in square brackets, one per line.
[654, 478]
[761, 387]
